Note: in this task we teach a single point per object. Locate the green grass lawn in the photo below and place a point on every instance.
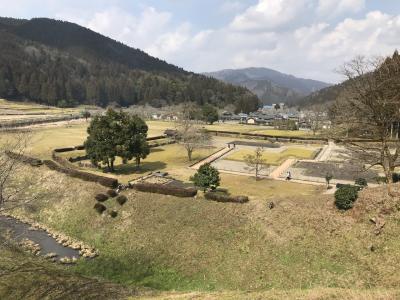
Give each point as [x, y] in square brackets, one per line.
[276, 158]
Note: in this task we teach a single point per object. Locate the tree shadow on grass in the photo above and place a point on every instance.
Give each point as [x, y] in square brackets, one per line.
[153, 150]
[145, 167]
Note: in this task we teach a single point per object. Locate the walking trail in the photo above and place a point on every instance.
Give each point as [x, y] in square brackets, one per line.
[275, 174]
[212, 158]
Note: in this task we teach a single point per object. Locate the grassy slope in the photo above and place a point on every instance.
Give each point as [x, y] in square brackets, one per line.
[318, 293]
[275, 158]
[25, 277]
[192, 244]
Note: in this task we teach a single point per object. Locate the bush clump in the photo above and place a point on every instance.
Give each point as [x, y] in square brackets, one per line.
[345, 197]
[207, 177]
[362, 182]
[396, 177]
[101, 197]
[165, 189]
[112, 193]
[113, 214]
[100, 208]
[121, 199]
[221, 197]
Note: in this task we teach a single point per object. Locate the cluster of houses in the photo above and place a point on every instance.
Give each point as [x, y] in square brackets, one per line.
[270, 115]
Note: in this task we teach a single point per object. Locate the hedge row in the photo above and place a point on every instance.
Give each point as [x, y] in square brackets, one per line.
[105, 181]
[165, 189]
[267, 136]
[62, 161]
[159, 137]
[24, 159]
[162, 144]
[78, 158]
[66, 149]
[225, 198]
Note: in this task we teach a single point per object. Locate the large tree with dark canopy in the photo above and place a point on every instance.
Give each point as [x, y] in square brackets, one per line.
[116, 134]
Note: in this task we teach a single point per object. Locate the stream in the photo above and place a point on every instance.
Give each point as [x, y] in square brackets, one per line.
[19, 231]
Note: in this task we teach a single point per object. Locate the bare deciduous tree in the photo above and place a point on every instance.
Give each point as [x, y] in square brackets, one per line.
[317, 118]
[368, 109]
[255, 162]
[12, 183]
[189, 134]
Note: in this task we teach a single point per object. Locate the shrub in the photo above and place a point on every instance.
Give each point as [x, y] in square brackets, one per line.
[165, 189]
[380, 179]
[113, 214]
[396, 177]
[206, 177]
[345, 197]
[221, 197]
[100, 208]
[121, 199]
[112, 193]
[362, 182]
[101, 197]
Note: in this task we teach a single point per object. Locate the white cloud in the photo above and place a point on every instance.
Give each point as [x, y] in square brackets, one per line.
[291, 36]
[373, 35]
[230, 6]
[270, 14]
[333, 8]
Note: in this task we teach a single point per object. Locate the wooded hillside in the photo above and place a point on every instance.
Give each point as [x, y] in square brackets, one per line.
[63, 64]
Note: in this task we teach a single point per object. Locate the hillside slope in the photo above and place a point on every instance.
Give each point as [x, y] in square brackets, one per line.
[61, 63]
[269, 85]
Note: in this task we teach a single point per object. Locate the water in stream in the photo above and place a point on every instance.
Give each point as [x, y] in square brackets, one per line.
[48, 244]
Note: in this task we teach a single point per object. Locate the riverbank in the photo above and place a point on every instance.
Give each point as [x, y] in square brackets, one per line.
[41, 240]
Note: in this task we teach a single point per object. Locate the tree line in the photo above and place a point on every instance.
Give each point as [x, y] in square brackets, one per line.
[50, 76]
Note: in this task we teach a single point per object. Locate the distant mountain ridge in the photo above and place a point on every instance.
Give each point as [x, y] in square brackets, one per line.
[269, 85]
[61, 63]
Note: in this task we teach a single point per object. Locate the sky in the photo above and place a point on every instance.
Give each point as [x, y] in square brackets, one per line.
[306, 38]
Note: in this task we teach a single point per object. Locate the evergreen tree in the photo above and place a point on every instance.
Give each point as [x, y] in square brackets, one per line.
[210, 114]
[207, 177]
[116, 134]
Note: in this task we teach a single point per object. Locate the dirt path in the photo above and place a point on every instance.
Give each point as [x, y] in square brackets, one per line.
[275, 174]
[212, 157]
[325, 154]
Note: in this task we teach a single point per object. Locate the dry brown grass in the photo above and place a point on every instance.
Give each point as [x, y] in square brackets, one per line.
[303, 243]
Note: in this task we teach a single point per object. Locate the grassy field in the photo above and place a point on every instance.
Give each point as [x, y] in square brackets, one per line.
[28, 108]
[160, 126]
[169, 243]
[171, 158]
[276, 158]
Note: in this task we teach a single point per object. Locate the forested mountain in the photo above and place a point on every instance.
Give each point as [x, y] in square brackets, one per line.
[61, 63]
[269, 85]
[325, 96]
